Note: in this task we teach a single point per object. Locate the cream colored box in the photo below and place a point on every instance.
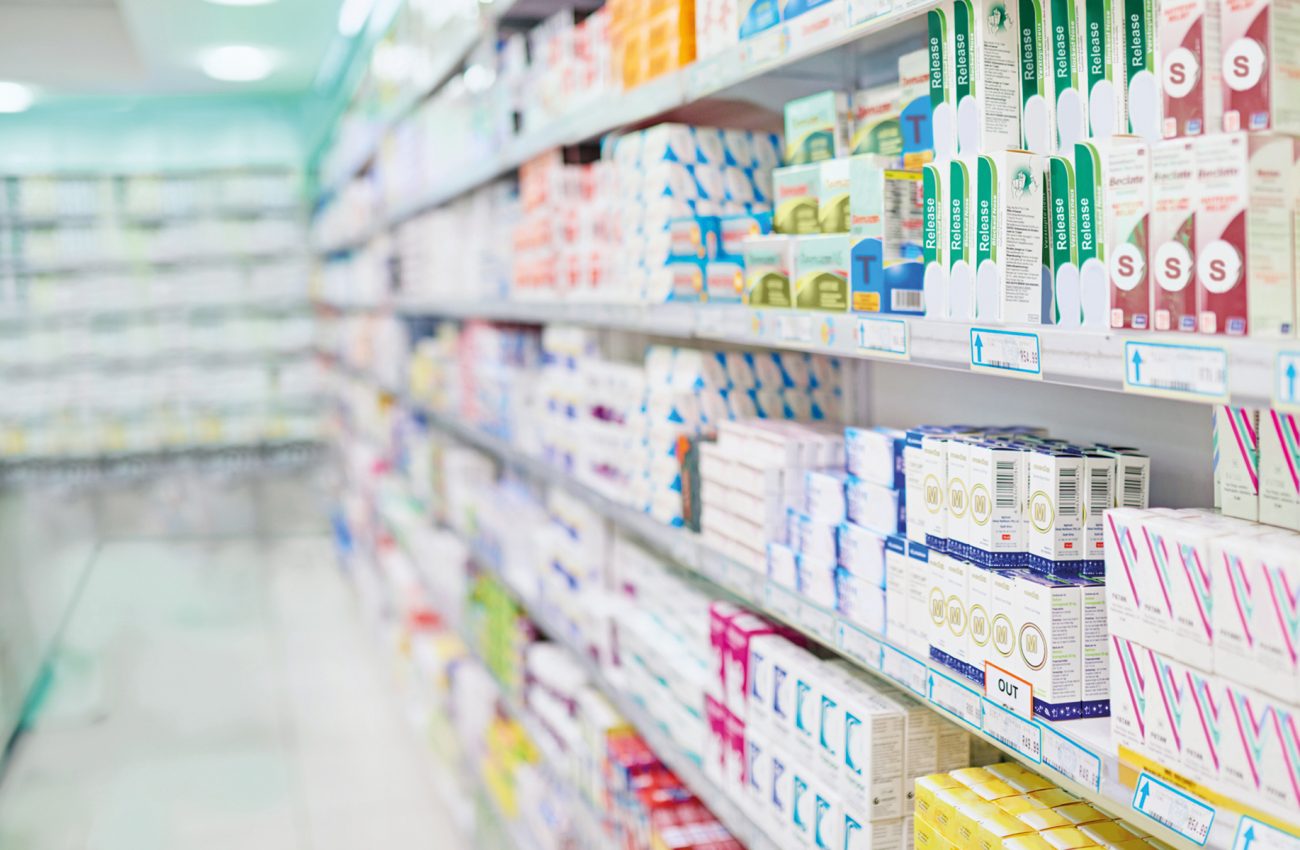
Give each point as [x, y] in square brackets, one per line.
[986, 78]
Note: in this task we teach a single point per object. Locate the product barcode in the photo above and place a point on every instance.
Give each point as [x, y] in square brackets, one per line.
[1100, 489]
[1134, 492]
[907, 299]
[1067, 494]
[1005, 484]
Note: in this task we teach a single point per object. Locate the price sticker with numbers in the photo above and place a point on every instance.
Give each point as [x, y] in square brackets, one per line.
[1183, 371]
[956, 698]
[1174, 808]
[1015, 353]
[1070, 759]
[887, 338]
[1021, 735]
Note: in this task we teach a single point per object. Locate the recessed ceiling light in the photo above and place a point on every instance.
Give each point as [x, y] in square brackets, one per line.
[15, 97]
[353, 15]
[237, 63]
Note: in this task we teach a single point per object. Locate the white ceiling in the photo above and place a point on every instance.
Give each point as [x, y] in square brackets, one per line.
[152, 47]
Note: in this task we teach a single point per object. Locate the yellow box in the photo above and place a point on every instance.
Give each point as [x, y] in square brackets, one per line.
[1054, 797]
[1108, 832]
[1032, 841]
[1066, 838]
[1018, 776]
[944, 811]
[970, 815]
[1042, 819]
[1081, 813]
[994, 831]
[972, 776]
[926, 837]
[995, 790]
[1021, 803]
[926, 789]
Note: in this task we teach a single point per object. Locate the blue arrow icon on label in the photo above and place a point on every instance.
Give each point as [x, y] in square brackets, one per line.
[1144, 792]
[1249, 834]
[1290, 381]
[979, 349]
[1137, 366]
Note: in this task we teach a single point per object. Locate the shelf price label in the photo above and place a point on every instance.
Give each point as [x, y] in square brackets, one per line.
[1174, 808]
[817, 622]
[1183, 371]
[782, 603]
[1253, 835]
[797, 329]
[1071, 760]
[886, 338]
[1014, 353]
[1023, 736]
[858, 645]
[771, 46]
[1286, 386]
[956, 698]
[906, 670]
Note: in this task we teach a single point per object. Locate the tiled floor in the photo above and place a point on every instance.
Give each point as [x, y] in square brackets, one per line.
[220, 694]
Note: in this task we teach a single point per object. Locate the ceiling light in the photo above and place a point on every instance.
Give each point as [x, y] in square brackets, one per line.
[15, 97]
[237, 63]
[353, 15]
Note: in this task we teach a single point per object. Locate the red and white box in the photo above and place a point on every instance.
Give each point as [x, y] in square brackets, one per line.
[1174, 199]
[1191, 81]
[1261, 65]
[1245, 280]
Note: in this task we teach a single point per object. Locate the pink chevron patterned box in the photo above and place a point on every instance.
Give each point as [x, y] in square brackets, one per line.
[1237, 436]
[1279, 469]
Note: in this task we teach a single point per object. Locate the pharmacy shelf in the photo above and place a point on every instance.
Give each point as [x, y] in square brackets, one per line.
[461, 45]
[774, 52]
[1192, 368]
[1078, 755]
[289, 452]
[21, 268]
[195, 313]
[146, 219]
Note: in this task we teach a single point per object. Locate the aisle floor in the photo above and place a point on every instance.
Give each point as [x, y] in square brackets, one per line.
[220, 694]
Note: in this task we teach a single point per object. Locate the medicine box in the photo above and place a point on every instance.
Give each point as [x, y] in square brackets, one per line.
[817, 128]
[768, 270]
[821, 272]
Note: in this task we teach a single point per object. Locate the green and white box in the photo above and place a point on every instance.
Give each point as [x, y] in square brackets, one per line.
[833, 195]
[796, 189]
[1009, 238]
[987, 78]
[769, 268]
[816, 128]
[821, 272]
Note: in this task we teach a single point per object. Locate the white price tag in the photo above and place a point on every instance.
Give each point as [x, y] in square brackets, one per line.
[817, 622]
[1014, 353]
[861, 12]
[714, 73]
[1011, 692]
[714, 566]
[1173, 807]
[1023, 736]
[1195, 371]
[812, 29]
[906, 670]
[782, 603]
[797, 329]
[1070, 759]
[1286, 388]
[956, 698]
[771, 46]
[1253, 835]
[744, 582]
[858, 645]
[887, 338]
